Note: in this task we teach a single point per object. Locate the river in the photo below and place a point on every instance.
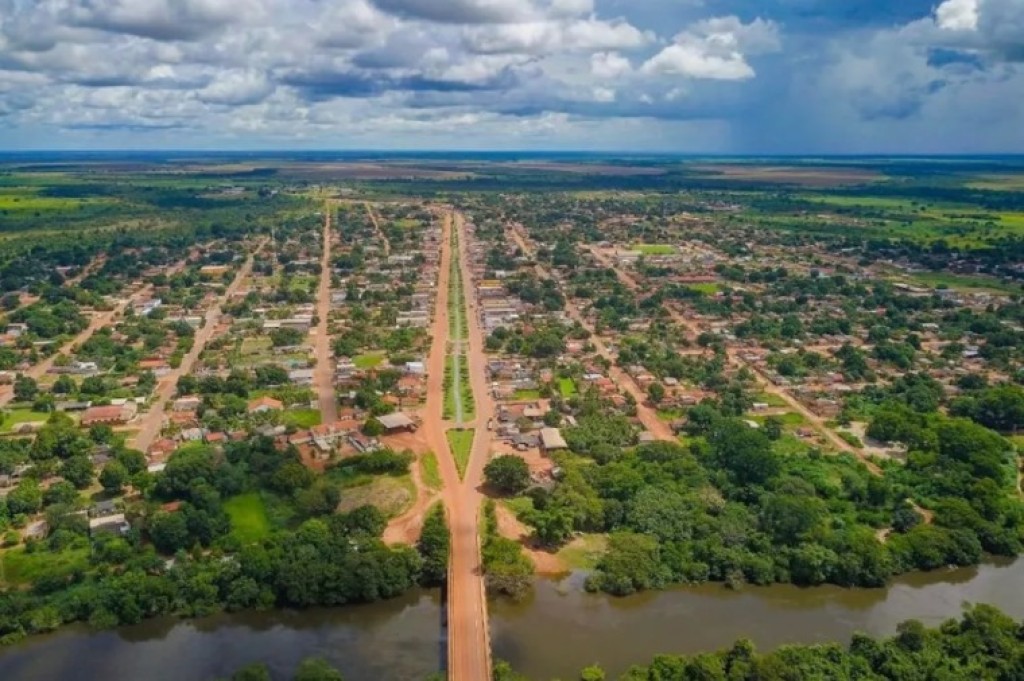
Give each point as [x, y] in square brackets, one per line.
[558, 630]
[396, 640]
[561, 629]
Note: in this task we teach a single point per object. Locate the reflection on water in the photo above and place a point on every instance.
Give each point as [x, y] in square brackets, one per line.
[395, 640]
[561, 629]
[554, 633]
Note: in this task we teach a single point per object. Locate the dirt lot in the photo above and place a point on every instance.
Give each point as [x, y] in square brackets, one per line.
[806, 176]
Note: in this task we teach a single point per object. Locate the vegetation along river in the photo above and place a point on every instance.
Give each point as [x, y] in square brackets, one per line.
[555, 632]
[561, 629]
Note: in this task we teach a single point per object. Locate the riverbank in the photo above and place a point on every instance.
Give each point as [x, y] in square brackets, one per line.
[393, 640]
[560, 629]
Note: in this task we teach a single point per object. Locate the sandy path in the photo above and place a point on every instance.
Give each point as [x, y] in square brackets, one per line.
[323, 374]
[646, 415]
[99, 321]
[376, 227]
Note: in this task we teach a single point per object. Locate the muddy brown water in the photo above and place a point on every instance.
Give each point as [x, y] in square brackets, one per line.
[396, 640]
[558, 630]
[561, 629]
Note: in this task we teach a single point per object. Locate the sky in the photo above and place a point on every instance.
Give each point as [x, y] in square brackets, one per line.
[689, 76]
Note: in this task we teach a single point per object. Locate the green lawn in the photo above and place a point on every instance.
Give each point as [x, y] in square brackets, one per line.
[519, 505]
[584, 552]
[791, 445]
[654, 249]
[567, 387]
[526, 395]
[18, 416]
[392, 495]
[461, 443]
[20, 567]
[430, 471]
[964, 282]
[368, 360]
[248, 517]
[301, 418]
[791, 419]
[707, 288]
[771, 399]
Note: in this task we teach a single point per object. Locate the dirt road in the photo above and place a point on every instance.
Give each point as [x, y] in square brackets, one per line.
[376, 227]
[323, 375]
[693, 330]
[99, 321]
[153, 420]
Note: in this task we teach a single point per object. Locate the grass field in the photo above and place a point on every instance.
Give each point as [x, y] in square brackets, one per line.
[583, 552]
[791, 445]
[669, 415]
[248, 517]
[771, 399]
[525, 395]
[461, 443]
[567, 387]
[368, 360]
[301, 418]
[390, 494]
[27, 199]
[15, 417]
[654, 249]
[707, 288]
[20, 567]
[430, 471]
[963, 282]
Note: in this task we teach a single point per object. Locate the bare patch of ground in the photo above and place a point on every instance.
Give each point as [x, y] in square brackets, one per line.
[808, 176]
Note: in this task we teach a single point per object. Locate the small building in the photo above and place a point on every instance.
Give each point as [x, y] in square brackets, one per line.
[115, 523]
[301, 376]
[213, 271]
[113, 414]
[187, 403]
[551, 440]
[396, 421]
[265, 404]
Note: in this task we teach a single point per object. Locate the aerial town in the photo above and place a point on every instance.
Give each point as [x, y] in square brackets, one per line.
[364, 389]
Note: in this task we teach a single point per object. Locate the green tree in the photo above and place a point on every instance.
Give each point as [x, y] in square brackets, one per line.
[169, 532]
[316, 669]
[78, 471]
[25, 388]
[257, 671]
[114, 477]
[508, 474]
[434, 546]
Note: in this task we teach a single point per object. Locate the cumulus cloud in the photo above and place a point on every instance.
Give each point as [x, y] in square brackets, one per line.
[235, 88]
[660, 72]
[462, 11]
[957, 15]
[609, 65]
[158, 19]
[716, 49]
[546, 37]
